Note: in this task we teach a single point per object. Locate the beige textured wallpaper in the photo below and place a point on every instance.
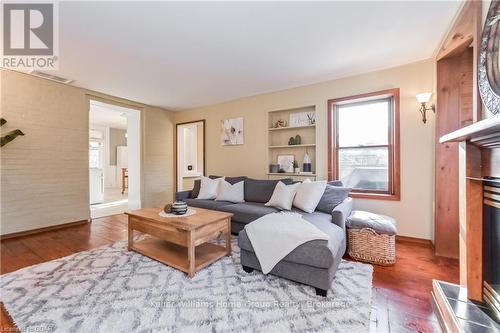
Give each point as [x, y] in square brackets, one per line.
[44, 175]
[414, 212]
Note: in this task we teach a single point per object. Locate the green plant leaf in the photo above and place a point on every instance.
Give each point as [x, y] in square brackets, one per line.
[2, 121]
[10, 136]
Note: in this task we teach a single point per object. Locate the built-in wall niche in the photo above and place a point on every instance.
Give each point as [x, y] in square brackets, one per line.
[292, 132]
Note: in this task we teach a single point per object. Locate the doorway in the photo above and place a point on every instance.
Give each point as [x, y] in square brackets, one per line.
[114, 159]
[190, 138]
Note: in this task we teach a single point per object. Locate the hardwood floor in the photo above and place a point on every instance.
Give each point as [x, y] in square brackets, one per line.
[401, 292]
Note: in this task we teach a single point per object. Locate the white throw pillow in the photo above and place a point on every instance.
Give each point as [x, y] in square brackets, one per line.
[232, 193]
[309, 194]
[283, 195]
[209, 188]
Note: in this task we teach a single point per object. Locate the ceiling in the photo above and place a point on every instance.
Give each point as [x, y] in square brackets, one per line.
[179, 55]
[106, 115]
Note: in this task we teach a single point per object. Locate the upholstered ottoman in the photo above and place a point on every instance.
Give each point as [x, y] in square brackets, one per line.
[371, 238]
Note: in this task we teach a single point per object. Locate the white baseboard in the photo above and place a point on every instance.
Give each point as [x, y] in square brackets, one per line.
[112, 208]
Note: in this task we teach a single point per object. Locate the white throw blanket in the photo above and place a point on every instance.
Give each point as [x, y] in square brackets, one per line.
[275, 235]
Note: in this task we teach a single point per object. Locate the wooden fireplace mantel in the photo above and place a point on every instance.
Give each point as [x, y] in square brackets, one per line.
[484, 133]
[479, 157]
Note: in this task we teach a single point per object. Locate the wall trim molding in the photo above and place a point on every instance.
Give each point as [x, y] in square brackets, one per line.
[415, 240]
[44, 229]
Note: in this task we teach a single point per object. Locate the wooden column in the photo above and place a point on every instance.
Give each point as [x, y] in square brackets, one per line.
[457, 106]
[471, 221]
[454, 110]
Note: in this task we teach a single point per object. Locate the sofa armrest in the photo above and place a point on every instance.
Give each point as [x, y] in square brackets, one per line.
[342, 212]
[183, 195]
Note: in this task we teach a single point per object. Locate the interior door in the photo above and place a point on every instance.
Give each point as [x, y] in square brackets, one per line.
[96, 174]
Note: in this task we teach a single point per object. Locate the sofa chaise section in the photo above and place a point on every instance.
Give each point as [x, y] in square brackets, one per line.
[315, 262]
[245, 213]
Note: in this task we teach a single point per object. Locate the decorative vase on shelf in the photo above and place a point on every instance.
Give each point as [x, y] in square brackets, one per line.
[298, 140]
[307, 167]
[296, 170]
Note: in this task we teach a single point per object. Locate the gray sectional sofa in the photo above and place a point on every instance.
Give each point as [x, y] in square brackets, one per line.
[313, 263]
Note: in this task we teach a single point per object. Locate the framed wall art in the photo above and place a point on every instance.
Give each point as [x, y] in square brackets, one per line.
[232, 132]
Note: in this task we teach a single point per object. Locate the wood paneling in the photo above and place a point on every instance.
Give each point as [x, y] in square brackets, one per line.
[463, 32]
[471, 220]
[454, 110]
[458, 105]
[466, 33]
[401, 300]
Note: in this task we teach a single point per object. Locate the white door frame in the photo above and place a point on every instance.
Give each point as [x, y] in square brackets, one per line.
[134, 135]
[181, 173]
[134, 158]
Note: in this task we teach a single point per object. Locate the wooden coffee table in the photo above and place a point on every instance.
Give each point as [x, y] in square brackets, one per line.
[180, 242]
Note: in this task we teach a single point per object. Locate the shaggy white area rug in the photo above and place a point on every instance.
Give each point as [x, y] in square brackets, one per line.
[109, 289]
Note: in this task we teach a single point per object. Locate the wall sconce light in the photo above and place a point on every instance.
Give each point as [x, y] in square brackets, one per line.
[423, 98]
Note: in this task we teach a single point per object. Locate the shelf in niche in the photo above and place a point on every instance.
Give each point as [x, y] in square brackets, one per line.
[291, 128]
[293, 146]
[278, 139]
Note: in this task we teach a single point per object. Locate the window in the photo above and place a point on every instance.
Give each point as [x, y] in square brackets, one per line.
[95, 154]
[364, 144]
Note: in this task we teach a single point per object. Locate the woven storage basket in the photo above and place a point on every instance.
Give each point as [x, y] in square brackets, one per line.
[369, 246]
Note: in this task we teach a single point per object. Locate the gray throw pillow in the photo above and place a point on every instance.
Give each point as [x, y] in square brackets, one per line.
[257, 190]
[335, 183]
[230, 180]
[332, 197]
[196, 189]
